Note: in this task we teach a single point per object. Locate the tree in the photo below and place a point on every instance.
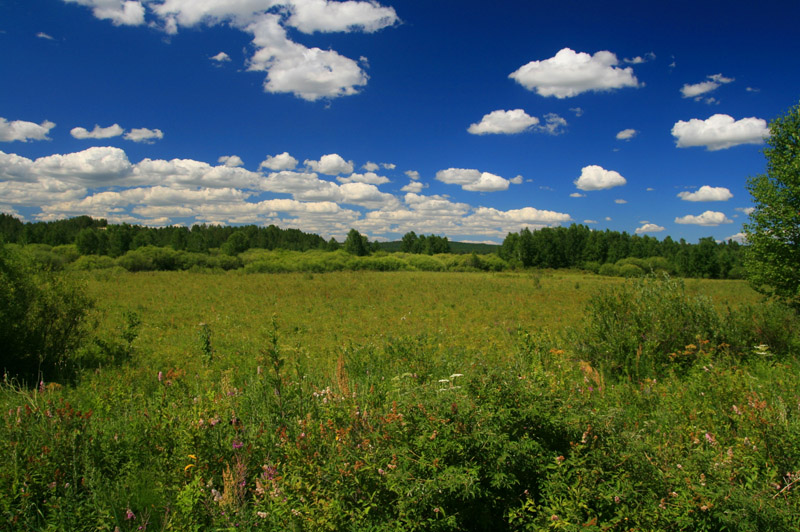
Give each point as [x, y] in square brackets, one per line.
[356, 243]
[772, 260]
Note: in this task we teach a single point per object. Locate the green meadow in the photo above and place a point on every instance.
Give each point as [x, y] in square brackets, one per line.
[532, 400]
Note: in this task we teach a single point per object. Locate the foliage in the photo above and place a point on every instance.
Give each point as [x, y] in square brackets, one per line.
[43, 320]
[638, 329]
[356, 244]
[773, 256]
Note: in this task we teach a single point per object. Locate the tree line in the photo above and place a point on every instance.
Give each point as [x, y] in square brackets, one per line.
[577, 246]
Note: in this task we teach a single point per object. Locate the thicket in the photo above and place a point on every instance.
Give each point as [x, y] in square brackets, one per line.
[43, 320]
[621, 254]
[411, 434]
[610, 253]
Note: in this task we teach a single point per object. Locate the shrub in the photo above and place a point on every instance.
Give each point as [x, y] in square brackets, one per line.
[630, 270]
[634, 329]
[42, 320]
[609, 270]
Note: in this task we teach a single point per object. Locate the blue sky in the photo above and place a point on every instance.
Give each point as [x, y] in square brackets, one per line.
[465, 119]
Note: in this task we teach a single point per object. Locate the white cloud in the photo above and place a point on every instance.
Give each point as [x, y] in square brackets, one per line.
[594, 177]
[282, 161]
[183, 173]
[620, 201]
[504, 122]
[568, 74]
[638, 60]
[708, 218]
[97, 133]
[577, 110]
[746, 210]
[741, 238]
[309, 16]
[308, 73]
[98, 166]
[368, 177]
[24, 131]
[414, 186]
[144, 134]
[649, 228]
[516, 180]
[472, 180]
[231, 160]
[369, 166]
[720, 132]
[577, 195]
[119, 12]
[221, 57]
[707, 193]
[331, 164]
[412, 174]
[627, 134]
[590, 222]
[43, 35]
[697, 90]
[389, 166]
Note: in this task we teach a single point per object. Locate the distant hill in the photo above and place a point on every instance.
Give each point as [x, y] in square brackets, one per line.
[455, 247]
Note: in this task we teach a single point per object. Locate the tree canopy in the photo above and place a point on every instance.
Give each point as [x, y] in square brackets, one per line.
[772, 260]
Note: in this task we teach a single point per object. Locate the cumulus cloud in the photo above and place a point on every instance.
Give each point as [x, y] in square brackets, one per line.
[221, 57]
[719, 132]
[368, 177]
[638, 60]
[119, 12]
[741, 238]
[571, 73]
[746, 210]
[707, 193]
[577, 195]
[649, 228]
[708, 218]
[144, 134]
[282, 161]
[594, 177]
[504, 122]
[627, 134]
[620, 201]
[414, 186]
[231, 160]
[97, 133]
[472, 180]
[369, 166]
[24, 131]
[330, 164]
[697, 90]
[308, 73]
[185, 173]
[412, 174]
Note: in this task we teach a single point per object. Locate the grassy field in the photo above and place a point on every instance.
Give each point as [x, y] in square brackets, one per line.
[326, 312]
[413, 401]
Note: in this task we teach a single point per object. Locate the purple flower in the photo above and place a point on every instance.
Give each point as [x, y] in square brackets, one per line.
[237, 444]
[129, 514]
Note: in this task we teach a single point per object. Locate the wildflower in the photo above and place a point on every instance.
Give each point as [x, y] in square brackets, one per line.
[160, 376]
[381, 471]
[237, 444]
[616, 499]
[262, 515]
[129, 514]
[710, 438]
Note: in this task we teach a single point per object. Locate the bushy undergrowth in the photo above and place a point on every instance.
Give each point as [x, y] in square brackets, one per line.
[640, 329]
[413, 434]
[43, 320]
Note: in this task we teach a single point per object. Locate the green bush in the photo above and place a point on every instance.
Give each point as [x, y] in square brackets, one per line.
[43, 320]
[630, 270]
[608, 269]
[637, 329]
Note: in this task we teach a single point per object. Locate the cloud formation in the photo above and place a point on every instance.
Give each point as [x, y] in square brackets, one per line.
[504, 122]
[627, 134]
[331, 164]
[97, 133]
[697, 90]
[649, 228]
[282, 161]
[594, 177]
[308, 73]
[708, 219]
[706, 193]
[473, 180]
[571, 73]
[24, 131]
[144, 135]
[719, 132]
